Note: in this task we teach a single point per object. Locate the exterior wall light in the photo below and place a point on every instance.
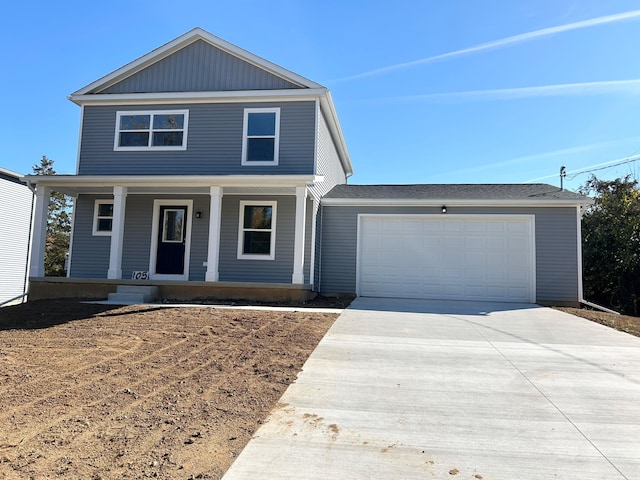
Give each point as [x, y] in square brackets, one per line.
[444, 209]
[198, 214]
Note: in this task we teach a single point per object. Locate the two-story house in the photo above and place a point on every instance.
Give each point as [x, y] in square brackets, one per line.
[199, 162]
[205, 170]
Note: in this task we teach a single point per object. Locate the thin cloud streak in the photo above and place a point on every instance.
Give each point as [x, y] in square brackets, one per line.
[607, 87]
[503, 42]
[545, 155]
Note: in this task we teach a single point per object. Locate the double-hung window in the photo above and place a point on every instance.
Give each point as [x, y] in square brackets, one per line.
[261, 136]
[151, 130]
[103, 217]
[257, 232]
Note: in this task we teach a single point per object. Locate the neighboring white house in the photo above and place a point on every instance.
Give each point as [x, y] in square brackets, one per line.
[16, 206]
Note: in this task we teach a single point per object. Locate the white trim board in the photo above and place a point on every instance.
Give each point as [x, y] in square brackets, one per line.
[452, 202]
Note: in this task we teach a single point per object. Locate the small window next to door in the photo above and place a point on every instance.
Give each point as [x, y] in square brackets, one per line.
[103, 217]
[257, 232]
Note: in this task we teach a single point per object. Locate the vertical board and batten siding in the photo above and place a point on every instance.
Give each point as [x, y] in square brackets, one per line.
[328, 165]
[199, 67]
[279, 270]
[214, 142]
[91, 253]
[15, 226]
[555, 246]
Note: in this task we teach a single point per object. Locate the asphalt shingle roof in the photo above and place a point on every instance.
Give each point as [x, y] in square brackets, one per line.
[441, 191]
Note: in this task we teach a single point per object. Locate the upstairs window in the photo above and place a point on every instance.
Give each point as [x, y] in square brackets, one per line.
[260, 139]
[158, 130]
[256, 239]
[103, 217]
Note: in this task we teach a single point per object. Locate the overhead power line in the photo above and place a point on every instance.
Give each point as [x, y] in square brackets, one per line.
[592, 168]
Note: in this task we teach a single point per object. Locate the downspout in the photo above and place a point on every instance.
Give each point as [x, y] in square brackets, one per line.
[25, 288]
[580, 280]
[319, 247]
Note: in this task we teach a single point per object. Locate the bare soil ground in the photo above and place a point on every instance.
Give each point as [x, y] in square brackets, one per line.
[103, 392]
[624, 323]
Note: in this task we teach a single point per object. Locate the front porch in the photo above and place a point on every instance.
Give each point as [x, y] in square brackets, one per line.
[221, 252]
[99, 289]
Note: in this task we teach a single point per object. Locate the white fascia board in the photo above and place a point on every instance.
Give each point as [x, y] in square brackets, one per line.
[284, 95]
[326, 103]
[174, 180]
[181, 42]
[379, 202]
[9, 173]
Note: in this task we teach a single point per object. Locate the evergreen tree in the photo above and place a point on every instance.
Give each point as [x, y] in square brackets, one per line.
[58, 225]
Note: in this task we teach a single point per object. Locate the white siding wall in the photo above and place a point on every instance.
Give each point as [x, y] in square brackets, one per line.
[15, 218]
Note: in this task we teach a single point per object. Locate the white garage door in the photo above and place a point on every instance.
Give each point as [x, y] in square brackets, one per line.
[456, 257]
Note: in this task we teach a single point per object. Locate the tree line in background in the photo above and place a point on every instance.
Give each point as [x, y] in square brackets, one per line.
[611, 244]
[610, 240]
[58, 225]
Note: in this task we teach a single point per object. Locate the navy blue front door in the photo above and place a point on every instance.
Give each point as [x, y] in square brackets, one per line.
[172, 234]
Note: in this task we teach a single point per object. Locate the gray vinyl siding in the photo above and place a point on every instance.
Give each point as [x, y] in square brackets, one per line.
[328, 161]
[200, 67]
[214, 142]
[15, 227]
[279, 270]
[136, 254]
[329, 166]
[318, 252]
[555, 244]
[90, 254]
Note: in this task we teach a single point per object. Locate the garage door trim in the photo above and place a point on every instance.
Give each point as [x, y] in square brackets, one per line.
[446, 217]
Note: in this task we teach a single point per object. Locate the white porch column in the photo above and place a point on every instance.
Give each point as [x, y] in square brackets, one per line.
[298, 243]
[213, 252]
[117, 232]
[39, 240]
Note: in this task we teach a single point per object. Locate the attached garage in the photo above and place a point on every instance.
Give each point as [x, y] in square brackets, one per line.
[454, 257]
[507, 243]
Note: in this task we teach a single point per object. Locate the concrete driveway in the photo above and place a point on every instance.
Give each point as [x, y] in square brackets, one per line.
[407, 389]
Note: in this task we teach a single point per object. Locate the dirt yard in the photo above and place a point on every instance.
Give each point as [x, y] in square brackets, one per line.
[103, 392]
[624, 323]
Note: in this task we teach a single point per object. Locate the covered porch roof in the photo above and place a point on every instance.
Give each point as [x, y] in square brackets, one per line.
[194, 184]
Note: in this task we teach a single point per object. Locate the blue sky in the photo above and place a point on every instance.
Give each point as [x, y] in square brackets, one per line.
[427, 91]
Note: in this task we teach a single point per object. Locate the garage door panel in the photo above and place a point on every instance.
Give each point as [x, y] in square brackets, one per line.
[446, 257]
[454, 226]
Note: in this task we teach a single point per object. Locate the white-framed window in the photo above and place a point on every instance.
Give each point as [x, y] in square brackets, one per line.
[103, 217]
[261, 136]
[151, 130]
[257, 230]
